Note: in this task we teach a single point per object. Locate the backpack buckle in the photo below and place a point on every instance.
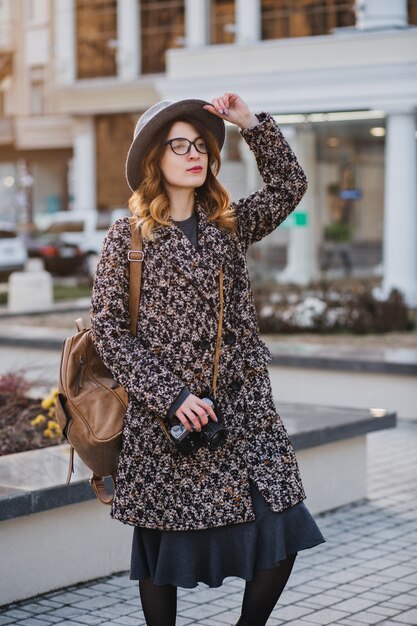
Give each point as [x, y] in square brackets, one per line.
[134, 252]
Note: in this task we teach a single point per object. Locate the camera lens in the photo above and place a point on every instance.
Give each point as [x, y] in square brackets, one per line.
[217, 440]
[214, 435]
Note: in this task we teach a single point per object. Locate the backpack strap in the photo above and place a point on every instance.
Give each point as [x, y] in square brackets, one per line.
[99, 488]
[219, 335]
[135, 256]
[70, 465]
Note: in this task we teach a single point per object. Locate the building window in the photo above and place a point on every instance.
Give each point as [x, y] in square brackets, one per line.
[38, 11]
[96, 38]
[223, 21]
[112, 130]
[412, 12]
[162, 27]
[305, 18]
[36, 93]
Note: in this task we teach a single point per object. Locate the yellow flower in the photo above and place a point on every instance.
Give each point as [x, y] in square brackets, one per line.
[54, 393]
[39, 419]
[51, 412]
[53, 430]
[47, 403]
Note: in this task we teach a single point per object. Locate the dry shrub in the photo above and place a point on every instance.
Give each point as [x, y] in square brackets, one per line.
[17, 410]
[324, 308]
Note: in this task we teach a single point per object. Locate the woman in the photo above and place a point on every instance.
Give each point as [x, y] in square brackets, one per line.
[234, 508]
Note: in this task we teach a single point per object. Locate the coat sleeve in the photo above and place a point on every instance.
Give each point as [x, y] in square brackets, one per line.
[134, 367]
[284, 182]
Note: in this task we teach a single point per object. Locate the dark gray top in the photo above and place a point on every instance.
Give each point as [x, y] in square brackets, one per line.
[189, 227]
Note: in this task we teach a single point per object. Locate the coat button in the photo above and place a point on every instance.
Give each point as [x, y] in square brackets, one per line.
[236, 385]
[205, 344]
[230, 339]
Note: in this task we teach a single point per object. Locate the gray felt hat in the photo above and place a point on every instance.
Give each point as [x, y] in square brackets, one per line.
[155, 118]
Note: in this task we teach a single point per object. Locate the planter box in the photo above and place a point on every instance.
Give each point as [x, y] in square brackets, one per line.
[53, 535]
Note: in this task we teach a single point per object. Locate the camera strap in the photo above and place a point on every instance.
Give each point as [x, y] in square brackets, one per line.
[219, 335]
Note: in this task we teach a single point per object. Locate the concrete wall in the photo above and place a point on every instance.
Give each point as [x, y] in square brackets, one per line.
[348, 389]
[80, 542]
[60, 547]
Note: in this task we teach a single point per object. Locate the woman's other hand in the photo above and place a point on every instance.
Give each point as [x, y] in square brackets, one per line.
[231, 107]
[193, 412]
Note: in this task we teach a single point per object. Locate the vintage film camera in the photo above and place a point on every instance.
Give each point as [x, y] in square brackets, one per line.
[212, 435]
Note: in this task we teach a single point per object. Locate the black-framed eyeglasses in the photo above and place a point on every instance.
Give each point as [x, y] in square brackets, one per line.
[181, 145]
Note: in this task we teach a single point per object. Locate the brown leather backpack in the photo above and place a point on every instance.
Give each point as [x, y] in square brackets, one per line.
[91, 405]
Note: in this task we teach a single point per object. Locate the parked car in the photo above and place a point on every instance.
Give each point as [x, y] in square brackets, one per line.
[85, 229]
[60, 257]
[13, 255]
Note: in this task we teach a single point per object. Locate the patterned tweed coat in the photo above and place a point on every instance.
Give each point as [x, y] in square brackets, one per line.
[156, 486]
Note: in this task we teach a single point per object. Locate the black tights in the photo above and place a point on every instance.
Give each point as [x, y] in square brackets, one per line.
[263, 591]
[159, 602]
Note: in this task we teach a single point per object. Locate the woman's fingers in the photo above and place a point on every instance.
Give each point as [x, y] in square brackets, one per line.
[231, 98]
[208, 410]
[210, 108]
[224, 104]
[218, 105]
[229, 107]
[194, 413]
[194, 419]
[189, 420]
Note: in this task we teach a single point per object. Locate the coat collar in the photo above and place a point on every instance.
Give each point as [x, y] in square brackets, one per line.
[201, 265]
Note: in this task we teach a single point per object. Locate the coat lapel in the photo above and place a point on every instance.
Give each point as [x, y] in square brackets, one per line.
[201, 266]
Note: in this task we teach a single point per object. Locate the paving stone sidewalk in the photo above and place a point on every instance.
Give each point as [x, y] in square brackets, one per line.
[365, 574]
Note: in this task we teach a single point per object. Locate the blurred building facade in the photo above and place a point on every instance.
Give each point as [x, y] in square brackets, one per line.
[340, 76]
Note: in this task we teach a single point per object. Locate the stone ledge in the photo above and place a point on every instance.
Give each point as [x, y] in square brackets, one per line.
[378, 359]
[313, 425]
[345, 364]
[34, 481]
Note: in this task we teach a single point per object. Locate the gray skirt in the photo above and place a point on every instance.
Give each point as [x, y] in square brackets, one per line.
[185, 558]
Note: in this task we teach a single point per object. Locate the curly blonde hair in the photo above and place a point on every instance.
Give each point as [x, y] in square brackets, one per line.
[149, 204]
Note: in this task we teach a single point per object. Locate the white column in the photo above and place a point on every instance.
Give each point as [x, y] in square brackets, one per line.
[252, 178]
[65, 42]
[248, 21]
[84, 164]
[381, 14]
[197, 23]
[302, 250]
[400, 210]
[128, 39]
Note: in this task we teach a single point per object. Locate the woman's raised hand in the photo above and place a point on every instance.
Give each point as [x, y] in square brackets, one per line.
[231, 107]
[194, 413]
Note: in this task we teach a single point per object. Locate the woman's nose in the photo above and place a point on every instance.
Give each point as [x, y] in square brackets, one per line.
[193, 152]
